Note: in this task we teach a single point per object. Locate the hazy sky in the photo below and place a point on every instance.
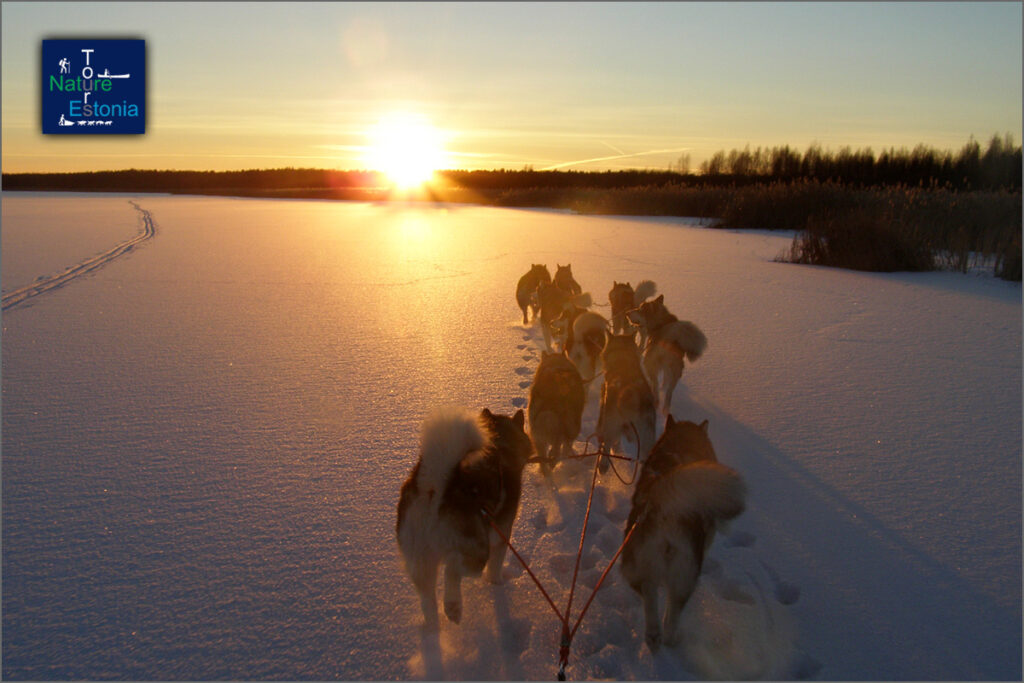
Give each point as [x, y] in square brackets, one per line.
[256, 85]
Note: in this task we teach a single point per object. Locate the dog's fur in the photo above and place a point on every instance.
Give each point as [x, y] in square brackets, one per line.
[682, 495]
[556, 405]
[467, 462]
[557, 308]
[553, 302]
[623, 298]
[670, 341]
[565, 281]
[627, 402]
[585, 342]
[526, 289]
[561, 327]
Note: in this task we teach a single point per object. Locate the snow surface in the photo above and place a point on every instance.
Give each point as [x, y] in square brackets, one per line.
[203, 443]
[42, 238]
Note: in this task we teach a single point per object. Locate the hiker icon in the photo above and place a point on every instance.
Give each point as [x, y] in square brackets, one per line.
[65, 65]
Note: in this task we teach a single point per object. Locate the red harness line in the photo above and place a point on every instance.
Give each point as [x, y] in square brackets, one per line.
[490, 520]
[567, 633]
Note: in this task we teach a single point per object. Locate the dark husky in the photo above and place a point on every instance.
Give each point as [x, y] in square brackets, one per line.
[467, 463]
[681, 497]
[627, 404]
[553, 303]
[556, 404]
[670, 340]
[565, 281]
[623, 299]
[526, 289]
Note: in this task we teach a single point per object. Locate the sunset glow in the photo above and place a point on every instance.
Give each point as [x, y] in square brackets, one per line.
[484, 86]
[407, 148]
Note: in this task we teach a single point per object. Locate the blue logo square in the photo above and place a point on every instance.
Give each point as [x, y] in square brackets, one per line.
[94, 87]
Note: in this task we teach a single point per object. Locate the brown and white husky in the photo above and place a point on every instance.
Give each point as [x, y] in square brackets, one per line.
[557, 398]
[669, 341]
[627, 403]
[467, 463]
[683, 494]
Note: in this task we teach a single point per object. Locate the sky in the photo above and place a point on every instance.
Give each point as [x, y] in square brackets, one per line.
[580, 85]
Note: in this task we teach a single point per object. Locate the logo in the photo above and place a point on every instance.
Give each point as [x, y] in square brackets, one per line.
[94, 87]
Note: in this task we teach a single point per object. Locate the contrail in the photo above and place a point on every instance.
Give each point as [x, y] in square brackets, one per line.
[617, 156]
[612, 147]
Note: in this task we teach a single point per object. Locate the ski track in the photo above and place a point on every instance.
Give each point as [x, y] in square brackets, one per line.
[736, 625]
[46, 284]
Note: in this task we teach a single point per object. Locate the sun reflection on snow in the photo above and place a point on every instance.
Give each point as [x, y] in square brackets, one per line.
[414, 228]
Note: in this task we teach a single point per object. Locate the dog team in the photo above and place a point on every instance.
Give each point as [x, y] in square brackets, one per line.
[470, 466]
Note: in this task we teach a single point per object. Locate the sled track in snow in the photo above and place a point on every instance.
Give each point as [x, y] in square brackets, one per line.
[23, 294]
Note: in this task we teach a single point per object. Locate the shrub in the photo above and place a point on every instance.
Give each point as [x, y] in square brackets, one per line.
[861, 241]
[1008, 262]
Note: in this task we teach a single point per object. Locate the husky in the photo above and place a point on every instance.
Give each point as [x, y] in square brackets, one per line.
[585, 341]
[561, 327]
[553, 302]
[623, 299]
[670, 340]
[526, 289]
[467, 463]
[682, 495]
[565, 281]
[627, 403]
[557, 307]
[555, 410]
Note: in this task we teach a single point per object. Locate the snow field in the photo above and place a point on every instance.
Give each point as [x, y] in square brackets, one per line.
[203, 443]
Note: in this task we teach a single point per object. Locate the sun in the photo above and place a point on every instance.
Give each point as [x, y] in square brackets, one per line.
[406, 148]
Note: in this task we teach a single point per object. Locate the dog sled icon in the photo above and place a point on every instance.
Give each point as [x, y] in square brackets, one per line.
[64, 122]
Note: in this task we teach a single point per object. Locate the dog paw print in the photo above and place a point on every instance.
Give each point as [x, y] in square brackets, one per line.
[785, 593]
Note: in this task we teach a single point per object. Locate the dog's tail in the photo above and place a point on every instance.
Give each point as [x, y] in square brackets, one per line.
[688, 337]
[583, 300]
[449, 434]
[645, 289]
[705, 489]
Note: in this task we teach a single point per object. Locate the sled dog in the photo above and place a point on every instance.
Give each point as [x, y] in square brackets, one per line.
[526, 289]
[561, 327]
[623, 299]
[555, 410]
[565, 281]
[627, 403]
[669, 341]
[556, 307]
[466, 463]
[585, 341]
[553, 302]
[681, 496]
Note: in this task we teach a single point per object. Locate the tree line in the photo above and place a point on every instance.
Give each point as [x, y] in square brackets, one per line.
[206, 182]
[996, 168]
